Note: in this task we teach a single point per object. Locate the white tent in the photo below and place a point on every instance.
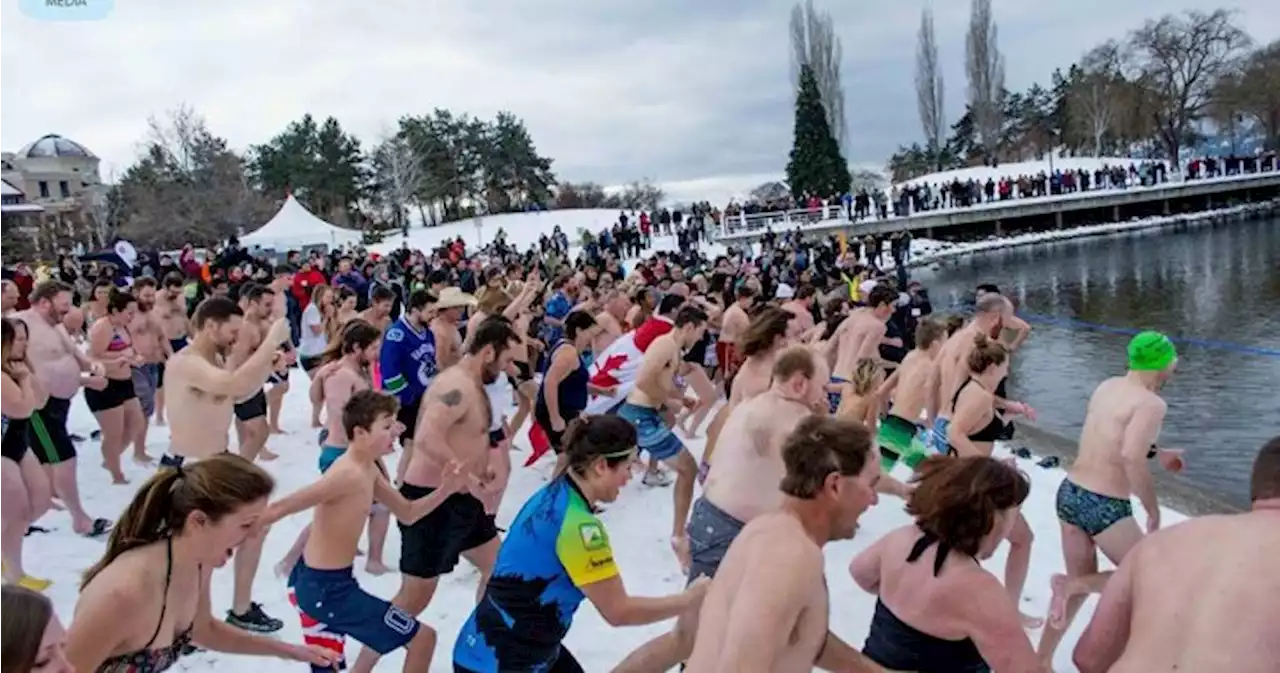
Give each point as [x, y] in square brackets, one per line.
[294, 227]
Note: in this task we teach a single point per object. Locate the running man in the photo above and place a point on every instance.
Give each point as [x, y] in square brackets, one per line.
[656, 389]
[281, 285]
[256, 302]
[1121, 426]
[732, 325]
[741, 486]
[858, 338]
[202, 395]
[61, 367]
[454, 428]
[768, 608]
[324, 587]
[152, 347]
[171, 310]
[914, 387]
[407, 363]
[1201, 596]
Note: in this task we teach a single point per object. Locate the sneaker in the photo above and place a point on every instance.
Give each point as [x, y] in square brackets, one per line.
[658, 478]
[255, 620]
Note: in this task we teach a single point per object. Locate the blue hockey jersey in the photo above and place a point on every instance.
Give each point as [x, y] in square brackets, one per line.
[407, 361]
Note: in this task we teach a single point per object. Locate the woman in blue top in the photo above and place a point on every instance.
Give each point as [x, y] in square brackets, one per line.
[566, 378]
[555, 554]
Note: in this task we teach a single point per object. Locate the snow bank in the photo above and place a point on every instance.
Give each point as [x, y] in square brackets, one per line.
[639, 525]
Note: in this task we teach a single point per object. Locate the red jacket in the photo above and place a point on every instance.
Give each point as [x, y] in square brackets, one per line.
[304, 282]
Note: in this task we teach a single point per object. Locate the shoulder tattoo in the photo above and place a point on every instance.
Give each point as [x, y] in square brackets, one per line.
[451, 398]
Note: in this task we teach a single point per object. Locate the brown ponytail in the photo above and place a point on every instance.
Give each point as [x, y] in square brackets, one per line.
[218, 486]
[986, 354]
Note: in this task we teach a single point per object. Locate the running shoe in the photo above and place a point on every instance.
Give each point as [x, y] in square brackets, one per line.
[255, 620]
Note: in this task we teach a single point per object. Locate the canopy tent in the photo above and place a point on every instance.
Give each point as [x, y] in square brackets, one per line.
[294, 227]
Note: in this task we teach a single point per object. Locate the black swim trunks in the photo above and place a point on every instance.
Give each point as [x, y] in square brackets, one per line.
[431, 547]
[254, 407]
[47, 434]
[408, 417]
[117, 392]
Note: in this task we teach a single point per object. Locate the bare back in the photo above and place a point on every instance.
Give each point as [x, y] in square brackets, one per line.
[1118, 411]
[859, 338]
[1203, 596]
[753, 377]
[748, 466]
[915, 393]
[739, 628]
[733, 323]
[953, 368]
[338, 389]
[610, 330]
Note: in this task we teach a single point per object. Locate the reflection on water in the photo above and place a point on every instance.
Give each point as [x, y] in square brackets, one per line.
[1218, 288]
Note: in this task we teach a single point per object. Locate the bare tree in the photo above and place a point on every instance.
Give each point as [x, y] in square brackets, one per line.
[814, 43]
[1257, 88]
[930, 89]
[984, 66]
[398, 171]
[1094, 99]
[102, 204]
[1179, 60]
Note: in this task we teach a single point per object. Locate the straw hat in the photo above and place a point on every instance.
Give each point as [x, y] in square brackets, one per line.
[452, 297]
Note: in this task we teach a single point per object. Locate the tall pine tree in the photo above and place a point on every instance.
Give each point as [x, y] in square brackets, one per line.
[816, 167]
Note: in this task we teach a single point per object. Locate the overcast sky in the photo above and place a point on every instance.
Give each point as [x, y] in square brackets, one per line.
[694, 94]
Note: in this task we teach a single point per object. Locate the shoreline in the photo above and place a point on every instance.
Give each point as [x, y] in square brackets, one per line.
[947, 250]
[1175, 493]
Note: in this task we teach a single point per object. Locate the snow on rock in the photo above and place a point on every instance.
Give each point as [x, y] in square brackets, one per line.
[638, 523]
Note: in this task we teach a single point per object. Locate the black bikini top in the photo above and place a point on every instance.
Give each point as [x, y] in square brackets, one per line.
[991, 431]
[157, 659]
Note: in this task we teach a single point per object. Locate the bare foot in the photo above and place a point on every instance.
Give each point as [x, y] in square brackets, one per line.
[278, 431]
[376, 567]
[57, 505]
[1060, 584]
[315, 423]
[160, 422]
[1029, 622]
[144, 459]
[267, 456]
[118, 479]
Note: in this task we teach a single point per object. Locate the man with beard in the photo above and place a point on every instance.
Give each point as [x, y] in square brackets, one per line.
[152, 347]
[202, 395]
[453, 429]
[768, 608]
[381, 299]
[257, 303]
[59, 365]
[407, 363]
[171, 311]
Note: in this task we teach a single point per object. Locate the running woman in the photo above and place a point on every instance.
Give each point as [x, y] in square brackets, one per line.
[182, 524]
[556, 555]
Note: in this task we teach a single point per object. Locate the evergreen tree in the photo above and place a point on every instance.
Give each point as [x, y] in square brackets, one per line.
[816, 167]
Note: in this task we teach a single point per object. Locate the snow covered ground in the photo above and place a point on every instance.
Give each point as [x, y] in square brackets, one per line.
[639, 525]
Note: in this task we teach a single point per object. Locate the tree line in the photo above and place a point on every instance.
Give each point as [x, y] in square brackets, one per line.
[1153, 92]
[189, 185]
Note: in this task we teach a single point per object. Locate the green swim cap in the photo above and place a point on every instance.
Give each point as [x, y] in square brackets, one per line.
[1151, 352]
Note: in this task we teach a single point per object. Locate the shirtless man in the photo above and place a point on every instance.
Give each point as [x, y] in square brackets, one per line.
[768, 609]
[758, 346]
[256, 301]
[202, 395]
[445, 325]
[799, 307]
[914, 387]
[1203, 595]
[60, 367]
[989, 312]
[378, 313]
[152, 347]
[858, 338]
[171, 310]
[453, 427]
[281, 286]
[732, 325]
[656, 388]
[611, 318]
[1121, 426]
[741, 486]
[323, 586]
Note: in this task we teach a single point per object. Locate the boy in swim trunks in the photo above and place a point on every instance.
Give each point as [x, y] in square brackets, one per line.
[323, 585]
[1121, 426]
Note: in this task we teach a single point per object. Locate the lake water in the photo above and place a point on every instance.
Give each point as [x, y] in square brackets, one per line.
[1214, 289]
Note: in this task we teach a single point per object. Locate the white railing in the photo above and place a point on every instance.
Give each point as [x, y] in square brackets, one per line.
[780, 220]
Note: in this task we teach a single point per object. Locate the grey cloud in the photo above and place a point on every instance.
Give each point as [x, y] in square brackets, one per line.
[691, 93]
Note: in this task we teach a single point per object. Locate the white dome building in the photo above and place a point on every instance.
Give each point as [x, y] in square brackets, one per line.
[59, 179]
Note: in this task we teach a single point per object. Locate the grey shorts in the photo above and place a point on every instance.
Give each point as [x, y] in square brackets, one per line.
[711, 531]
[146, 378]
